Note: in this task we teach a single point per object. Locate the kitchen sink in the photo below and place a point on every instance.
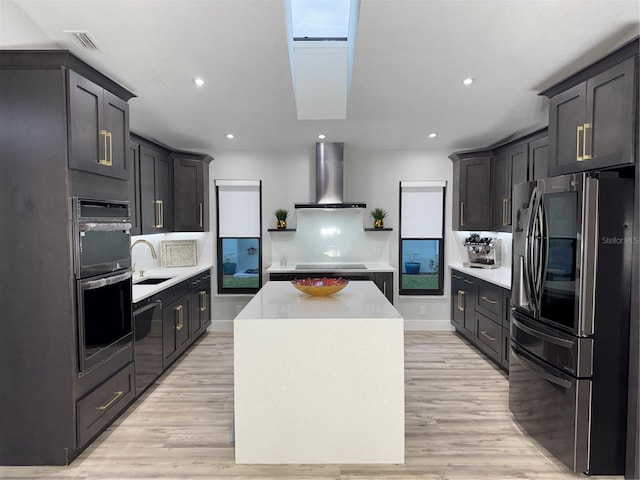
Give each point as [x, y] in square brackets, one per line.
[152, 281]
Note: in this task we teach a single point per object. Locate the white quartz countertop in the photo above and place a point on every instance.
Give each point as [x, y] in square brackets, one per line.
[335, 267]
[280, 300]
[498, 276]
[175, 275]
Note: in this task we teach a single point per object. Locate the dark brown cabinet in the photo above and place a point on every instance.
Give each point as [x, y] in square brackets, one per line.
[98, 129]
[501, 171]
[463, 299]
[538, 159]
[480, 313]
[156, 190]
[200, 314]
[134, 188]
[176, 331]
[592, 114]
[47, 408]
[471, 191]
[191, 192]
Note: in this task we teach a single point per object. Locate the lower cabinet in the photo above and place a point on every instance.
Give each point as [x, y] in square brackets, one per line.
[480, 313]
[98, 408]
[383, 280]
[185, 315]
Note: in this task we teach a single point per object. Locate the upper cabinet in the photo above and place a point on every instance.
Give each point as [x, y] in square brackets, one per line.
[592, 114]
[98, 129]
[471, 190]
[483, 181]
[191, 191]
[169, 191]
[156, 190]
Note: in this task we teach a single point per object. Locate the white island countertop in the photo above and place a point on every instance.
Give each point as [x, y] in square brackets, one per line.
[498, 276]
[319, 379]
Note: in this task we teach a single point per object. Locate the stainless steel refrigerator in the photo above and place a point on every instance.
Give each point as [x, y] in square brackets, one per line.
[572, 245]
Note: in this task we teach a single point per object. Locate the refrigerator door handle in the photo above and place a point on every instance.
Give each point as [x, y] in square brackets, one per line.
[589, 258]
[540, 371]
[527, 264]
[561, 342]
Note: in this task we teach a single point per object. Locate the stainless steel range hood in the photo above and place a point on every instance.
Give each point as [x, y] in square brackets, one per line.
[330, 178]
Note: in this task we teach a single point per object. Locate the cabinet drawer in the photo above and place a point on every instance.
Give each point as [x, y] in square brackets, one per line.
[489, 337]
[489, 301]
[100, 407]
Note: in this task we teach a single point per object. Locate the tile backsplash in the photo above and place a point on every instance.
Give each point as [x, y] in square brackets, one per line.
[329, 236]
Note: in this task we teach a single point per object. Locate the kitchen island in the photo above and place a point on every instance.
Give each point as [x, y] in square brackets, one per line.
[319, 379]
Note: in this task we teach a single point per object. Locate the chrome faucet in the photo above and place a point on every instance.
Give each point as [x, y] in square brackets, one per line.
[153, 253]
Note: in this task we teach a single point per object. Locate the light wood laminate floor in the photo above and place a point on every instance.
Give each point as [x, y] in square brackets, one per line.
[458, 425]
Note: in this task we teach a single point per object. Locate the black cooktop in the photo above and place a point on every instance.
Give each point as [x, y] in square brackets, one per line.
[330, 266]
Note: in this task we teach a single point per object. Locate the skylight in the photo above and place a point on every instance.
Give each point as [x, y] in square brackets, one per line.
[320, 19]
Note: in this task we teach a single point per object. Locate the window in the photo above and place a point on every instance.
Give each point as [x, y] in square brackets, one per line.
[239, 256]
[422, 238]
[320, 19]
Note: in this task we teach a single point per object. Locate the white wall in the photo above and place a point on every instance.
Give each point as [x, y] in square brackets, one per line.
[370, 176]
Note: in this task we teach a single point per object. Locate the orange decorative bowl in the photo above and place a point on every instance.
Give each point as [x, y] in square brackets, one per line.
[320, 287]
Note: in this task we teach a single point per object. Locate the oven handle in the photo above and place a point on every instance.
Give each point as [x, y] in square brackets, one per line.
[103, 282]
[536, 370]
[103, 227]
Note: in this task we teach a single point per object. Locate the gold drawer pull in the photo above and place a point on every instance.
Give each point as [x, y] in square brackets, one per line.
[579, 129]
[180, 322]
[461, 300]
[117, 395]
[457, 277]
[200, 214]
[462, 214]
[493, 339]
[203, 300]
[488, 300]
[469, 282]
[585, 155]
[105, 160]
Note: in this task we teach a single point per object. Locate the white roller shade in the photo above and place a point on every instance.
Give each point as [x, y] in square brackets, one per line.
[238, 208]
[422, 206]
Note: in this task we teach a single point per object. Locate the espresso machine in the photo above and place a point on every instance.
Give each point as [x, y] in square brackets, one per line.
[483, 252]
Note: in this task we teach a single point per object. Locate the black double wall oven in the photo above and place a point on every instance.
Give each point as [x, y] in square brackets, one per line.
[102, 264]
[570, 316]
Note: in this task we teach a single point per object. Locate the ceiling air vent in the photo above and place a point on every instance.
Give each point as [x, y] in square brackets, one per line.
[85, 40]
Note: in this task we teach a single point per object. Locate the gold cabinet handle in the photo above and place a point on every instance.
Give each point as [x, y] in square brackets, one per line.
[457, 277]
[505, 215]
[105, 160]
[461, 214]
[180, 321]
[116, 396]
[461, 300]
[488, 300]
[159, 209]
[203, 300]
[585, 155]
[579, 129]
[493, 339]
[468, 281]
[110, 137]
[201, 214]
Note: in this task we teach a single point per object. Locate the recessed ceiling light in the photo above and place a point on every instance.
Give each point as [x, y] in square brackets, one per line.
[322, 136]
[198, 81]
[229, 136]
[433, 135]
[467, 81]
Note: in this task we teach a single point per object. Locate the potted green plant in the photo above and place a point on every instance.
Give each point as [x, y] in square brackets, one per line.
[378, 215]
[228, 267]
[281, 215]
[412, 267]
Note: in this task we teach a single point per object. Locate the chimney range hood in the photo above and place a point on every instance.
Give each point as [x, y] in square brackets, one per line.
[330, 178]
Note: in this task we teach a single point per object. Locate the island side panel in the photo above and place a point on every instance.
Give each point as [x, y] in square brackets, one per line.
[327, 390]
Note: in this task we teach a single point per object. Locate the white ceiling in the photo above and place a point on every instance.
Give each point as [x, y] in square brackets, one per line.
[410, 59]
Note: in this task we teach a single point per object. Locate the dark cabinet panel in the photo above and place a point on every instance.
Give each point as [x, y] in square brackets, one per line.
[156, 192]
[191, 192]
[501, 171]
[519, 160]
[591, 124]
[98, 129]
[175, 329]
[473, 184]
[478, 312]
[538, 159]
[133, 187]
